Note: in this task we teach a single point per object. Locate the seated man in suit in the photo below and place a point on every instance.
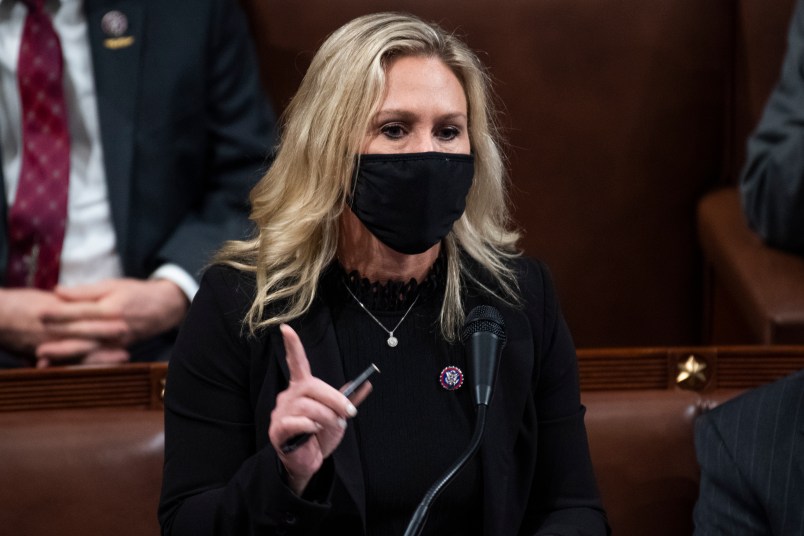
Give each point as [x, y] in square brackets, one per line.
[130, 137]
[751, 452]
[772, 181]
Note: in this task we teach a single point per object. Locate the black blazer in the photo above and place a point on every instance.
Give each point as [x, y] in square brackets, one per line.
[185, 129]
[751, 451]
[221, 473]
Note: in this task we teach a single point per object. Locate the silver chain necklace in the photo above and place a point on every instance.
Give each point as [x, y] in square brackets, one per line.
[392, 341]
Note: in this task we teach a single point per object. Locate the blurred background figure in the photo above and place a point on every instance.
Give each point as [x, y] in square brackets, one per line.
[751, 452]
[130, 136]
[772, 182]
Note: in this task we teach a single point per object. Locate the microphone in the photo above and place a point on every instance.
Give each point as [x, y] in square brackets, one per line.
[483, 336]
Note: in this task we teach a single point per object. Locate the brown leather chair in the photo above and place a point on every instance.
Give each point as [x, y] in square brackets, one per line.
[81, 450]
[644, 457]
[755, 294]
[80, 472]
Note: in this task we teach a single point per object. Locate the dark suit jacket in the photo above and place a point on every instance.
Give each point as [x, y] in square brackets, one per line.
[751, 451]
[185, 129]
[222, 474]
[772, 181]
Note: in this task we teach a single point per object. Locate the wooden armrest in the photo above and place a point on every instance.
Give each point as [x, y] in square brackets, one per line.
[766, 284]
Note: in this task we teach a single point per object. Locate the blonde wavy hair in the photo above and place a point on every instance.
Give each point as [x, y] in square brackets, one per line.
[297, 204]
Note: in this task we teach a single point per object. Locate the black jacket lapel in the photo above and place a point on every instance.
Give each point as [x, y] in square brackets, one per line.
[317, 334]
[116, 63]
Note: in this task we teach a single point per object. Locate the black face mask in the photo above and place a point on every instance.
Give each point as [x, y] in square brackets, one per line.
[409, 201]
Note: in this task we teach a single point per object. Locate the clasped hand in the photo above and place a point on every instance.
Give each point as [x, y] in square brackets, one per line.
[88, 323]
[308, 405]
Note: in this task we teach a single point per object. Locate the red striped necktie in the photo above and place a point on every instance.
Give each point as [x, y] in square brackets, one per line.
[37, 219]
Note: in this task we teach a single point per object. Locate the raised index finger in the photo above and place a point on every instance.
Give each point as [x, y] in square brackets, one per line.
[298, 366]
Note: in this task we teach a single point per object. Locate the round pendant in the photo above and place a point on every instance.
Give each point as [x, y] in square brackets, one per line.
[392, 342]
[451, 378]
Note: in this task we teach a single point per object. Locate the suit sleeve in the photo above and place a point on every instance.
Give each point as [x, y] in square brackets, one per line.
[564, 484]
[216, 477]
[240, 133]
[726, 503]
[772, 181]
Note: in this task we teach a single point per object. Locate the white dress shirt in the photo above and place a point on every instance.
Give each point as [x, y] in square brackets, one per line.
[89, 252]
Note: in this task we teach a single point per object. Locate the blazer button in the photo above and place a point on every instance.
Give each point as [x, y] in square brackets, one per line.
[290, 518]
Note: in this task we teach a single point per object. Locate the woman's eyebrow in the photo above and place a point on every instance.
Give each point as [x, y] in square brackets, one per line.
[393, 113]
[407, 115]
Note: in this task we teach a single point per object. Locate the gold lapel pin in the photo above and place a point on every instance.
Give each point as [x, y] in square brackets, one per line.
[114, 24]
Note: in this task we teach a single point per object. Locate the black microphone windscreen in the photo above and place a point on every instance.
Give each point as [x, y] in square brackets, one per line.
[484, 318]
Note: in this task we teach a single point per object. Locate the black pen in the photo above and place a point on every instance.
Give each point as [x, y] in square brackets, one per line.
[298, 440]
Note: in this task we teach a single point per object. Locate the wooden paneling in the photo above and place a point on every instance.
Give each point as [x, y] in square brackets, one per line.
[613, 369]
[134, 385]
[716, 367]
[601, 369]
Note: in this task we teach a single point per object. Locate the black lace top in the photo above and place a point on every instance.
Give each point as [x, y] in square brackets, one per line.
[410, 429]
[393, 295]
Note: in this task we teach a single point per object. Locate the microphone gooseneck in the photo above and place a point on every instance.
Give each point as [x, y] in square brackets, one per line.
[417, 520]
[483, 336]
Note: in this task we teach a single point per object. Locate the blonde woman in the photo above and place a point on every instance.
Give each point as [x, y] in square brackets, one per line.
[383, 219]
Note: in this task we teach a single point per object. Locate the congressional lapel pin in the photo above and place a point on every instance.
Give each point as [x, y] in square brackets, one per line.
[451, 378]
[114, 24]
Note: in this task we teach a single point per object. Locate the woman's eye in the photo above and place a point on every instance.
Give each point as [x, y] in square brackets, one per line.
[393, 131]
[448, 133]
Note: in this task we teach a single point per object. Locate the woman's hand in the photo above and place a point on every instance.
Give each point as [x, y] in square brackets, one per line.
[308, 405]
